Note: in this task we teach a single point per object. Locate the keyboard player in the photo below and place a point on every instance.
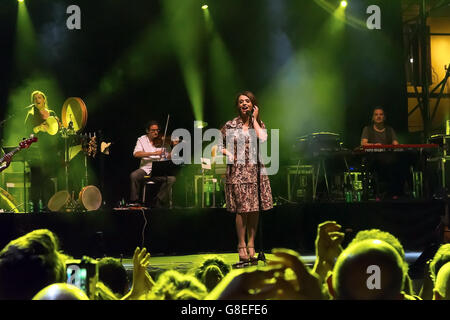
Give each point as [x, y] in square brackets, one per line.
[378, 132]
[389, 172]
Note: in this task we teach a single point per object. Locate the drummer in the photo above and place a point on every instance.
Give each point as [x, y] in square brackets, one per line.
[44, 156]
[39, 112]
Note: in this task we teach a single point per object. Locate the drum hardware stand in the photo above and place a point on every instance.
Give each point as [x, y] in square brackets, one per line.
[72, 205]
[295, 178]
[66, 133]
[321, 164]
[441, 160]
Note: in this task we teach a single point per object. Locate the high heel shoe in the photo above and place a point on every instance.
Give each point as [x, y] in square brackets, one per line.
[252, 258]
[243, 258]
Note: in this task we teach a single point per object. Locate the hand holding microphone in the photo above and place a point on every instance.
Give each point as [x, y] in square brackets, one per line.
[253, 113]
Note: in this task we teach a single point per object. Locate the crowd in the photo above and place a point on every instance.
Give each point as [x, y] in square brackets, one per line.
[371, 267]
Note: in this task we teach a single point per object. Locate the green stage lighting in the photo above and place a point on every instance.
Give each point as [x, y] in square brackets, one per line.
[205, 6]
[344, 4]
[200, 124]
[20, 0]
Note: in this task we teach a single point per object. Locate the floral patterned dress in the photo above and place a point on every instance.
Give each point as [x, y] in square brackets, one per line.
[241, 188]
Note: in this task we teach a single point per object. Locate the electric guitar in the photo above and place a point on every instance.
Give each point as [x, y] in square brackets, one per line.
[5, 161]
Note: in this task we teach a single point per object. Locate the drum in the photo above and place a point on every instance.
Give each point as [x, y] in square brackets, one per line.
[53, 125]
[7, 202]
[59, 201]
[90, 198]
[74, 114]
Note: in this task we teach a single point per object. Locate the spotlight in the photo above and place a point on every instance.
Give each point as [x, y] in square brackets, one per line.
[20, 0]
[205, 6]
[344, 4]
[200, 124]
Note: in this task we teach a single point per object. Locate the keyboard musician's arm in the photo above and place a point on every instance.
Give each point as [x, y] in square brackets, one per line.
[365, 142]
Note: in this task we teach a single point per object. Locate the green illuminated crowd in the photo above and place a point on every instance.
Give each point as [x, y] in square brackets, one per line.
[371, 267]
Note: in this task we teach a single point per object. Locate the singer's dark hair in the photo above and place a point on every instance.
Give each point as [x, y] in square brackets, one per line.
[252, 98]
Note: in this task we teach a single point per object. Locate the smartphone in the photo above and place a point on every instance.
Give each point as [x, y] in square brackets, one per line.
[83, 273]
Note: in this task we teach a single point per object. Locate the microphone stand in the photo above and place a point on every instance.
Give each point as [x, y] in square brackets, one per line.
[261, 255]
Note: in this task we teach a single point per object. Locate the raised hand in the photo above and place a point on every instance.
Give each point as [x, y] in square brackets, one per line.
[251, 284]
[142, 281]
[255, 112]
[328, 247]
[308, 284]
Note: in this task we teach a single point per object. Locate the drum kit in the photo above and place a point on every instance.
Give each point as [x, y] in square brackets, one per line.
[74, 118]
[89, 199]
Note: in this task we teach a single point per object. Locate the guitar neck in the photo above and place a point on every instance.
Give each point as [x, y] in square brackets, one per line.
[11, 153]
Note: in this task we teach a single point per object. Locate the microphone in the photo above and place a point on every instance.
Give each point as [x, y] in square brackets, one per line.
[31, 105]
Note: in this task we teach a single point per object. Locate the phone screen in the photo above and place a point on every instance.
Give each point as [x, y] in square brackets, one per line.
[83, 274]
[77, 276]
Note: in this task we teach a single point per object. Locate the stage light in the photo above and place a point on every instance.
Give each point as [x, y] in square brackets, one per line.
[20, 0]
[205, 6]
[344, 4]
[200, 124]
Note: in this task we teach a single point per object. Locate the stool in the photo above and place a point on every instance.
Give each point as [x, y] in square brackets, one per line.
[146, 182]
[149, 182]
[208, 185]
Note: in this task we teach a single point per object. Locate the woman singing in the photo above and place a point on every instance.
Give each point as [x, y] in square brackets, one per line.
[241, 190]
[44, 157]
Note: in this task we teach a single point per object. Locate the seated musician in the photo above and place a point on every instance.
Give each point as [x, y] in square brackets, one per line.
[148, 150]
[378, 132]
[390, 175]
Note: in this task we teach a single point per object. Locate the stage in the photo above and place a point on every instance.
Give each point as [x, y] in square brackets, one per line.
[185, 231]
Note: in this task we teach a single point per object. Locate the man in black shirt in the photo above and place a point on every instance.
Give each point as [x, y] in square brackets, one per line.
[378, 132]
[390, 174]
